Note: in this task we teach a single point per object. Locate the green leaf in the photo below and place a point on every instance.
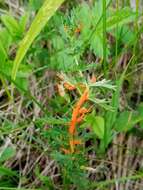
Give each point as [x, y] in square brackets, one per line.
[123, 123]
[120, 17]
[96, 46]
[51, 121]
[22, 23]
[5, 38]
[24, 70]
[110, 117]
[3, 54]
[126, 121]
[7, 172]
[45, 13]
[11, 24]
[7, 154]
[35, 4]
[46, 180]
[103, 84]
[140, 111]
[82, 15]
[98, 10]
[125, 34]
[97, 124]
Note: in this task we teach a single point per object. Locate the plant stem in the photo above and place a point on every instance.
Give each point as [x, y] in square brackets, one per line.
[6, 88]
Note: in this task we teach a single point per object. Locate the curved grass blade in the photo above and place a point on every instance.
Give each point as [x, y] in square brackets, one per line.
[45, 13]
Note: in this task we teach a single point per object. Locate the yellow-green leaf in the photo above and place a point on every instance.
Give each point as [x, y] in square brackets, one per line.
[45, 13]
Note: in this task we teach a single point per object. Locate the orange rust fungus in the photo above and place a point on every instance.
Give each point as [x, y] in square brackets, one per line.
[78, 29]
[66, 151]
[78, 115]
[69, 86]
[75, 114]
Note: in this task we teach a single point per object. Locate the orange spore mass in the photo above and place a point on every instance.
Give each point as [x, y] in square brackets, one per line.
[69, 86]
[76, 111]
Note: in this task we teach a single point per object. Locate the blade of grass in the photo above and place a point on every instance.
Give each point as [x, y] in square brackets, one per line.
[45, 13]
[116, 52]
[136, 27]
[6, 88]
[104, 38]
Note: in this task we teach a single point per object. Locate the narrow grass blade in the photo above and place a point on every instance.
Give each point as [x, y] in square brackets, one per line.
[45, 13]
[104, 37]
[117, 27]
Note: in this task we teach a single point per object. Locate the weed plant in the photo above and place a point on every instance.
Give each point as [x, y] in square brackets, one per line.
[71, 96]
